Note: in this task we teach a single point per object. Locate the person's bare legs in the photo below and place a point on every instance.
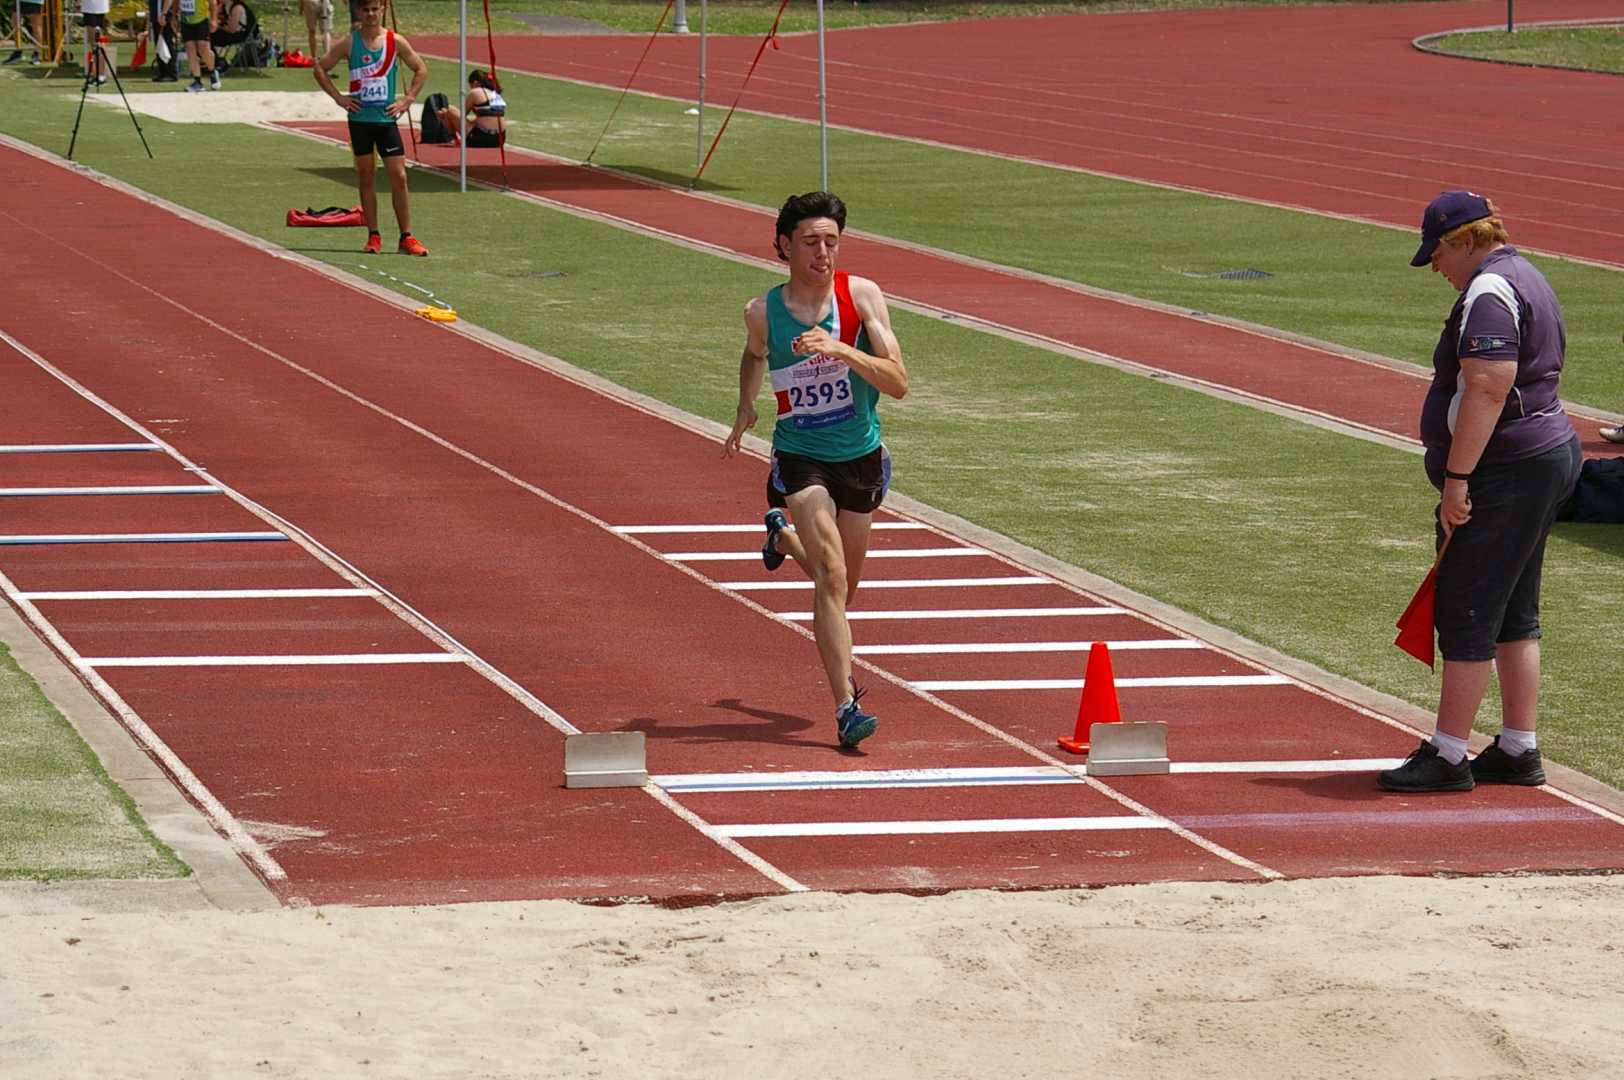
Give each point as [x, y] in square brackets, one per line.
[1517, 664]
[366, 180]
[452, 121]
[854, 532]
[1463, 685]
[817, 547]
[398, 195]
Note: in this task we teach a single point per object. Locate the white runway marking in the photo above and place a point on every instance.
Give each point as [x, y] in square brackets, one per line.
[196, 594]
[139, 538]
[1017, 775]
[75, 448]
[951, 647]
[896, 583]
[1076, 684]
[929, 828]
[273, 661]
[963, 613]
[758, 527]
[151, 489]
[882, 553]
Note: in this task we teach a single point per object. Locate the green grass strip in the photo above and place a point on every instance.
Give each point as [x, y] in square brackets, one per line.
[1586, 48]
[61, 815]
[1299, 538]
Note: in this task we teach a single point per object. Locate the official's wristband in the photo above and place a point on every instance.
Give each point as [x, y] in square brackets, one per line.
[1457, 475]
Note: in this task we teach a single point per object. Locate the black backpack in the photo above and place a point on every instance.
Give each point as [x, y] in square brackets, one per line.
[433, 130]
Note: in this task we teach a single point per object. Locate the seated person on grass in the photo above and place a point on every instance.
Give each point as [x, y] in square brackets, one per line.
[237, 24]
[485, 106]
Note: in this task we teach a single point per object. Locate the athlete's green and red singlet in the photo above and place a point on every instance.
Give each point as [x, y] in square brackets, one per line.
[825, 409]
[372, 78]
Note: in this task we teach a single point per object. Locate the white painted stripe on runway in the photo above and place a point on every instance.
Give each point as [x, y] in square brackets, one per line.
[956, 647]
[1121, 822]
[836, 780]
[274, 661]
[963, 613]
[138, 538]
[892, 583]
[881, 779]
[197, 594]
[75, 448]
[147, 489]
[881, 553]
[1075, 684]
[758, 527]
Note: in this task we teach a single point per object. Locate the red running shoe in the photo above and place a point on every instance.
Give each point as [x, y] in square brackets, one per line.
[410, 245]
[374, 244]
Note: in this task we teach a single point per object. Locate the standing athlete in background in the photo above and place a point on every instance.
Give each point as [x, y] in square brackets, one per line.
[372, 52]
[826, 337]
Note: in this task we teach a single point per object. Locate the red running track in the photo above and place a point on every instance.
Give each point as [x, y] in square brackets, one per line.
[479, 490]
[1325, 108]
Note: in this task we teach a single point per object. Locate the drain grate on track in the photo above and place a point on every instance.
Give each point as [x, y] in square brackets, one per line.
[1246, 274]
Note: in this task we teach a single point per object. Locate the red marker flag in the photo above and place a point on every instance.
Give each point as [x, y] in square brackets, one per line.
[1415, 626]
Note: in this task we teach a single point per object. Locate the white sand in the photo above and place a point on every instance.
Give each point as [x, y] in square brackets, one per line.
[1364, 978]
[230, 106]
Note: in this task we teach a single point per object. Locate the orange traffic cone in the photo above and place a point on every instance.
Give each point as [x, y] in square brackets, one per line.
[1098, 705]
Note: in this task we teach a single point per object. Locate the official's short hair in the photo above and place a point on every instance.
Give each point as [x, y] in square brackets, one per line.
[797, 208]
[1481, 233]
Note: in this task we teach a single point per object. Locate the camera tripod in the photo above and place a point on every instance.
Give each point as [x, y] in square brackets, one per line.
[102, 64]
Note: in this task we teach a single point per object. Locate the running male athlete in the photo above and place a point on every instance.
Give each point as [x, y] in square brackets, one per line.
[373, 108]
[826, 337]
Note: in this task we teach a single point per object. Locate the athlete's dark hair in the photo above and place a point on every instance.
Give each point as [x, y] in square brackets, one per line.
[797, 208]
[487, 79]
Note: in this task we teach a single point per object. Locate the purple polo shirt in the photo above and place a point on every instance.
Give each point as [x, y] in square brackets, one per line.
[1508, 312]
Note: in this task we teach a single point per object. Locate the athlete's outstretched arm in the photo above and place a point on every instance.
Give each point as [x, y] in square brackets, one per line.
[883, 368]
[752, 372]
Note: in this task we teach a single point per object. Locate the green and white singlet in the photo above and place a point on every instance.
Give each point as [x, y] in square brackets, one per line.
[825, 410]
[372, 78]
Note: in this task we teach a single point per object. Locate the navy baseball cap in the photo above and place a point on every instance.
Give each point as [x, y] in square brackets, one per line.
[1448, 212]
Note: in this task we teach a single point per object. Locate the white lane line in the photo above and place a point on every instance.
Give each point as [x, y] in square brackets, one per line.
[1122, 822]
[758, 527]
[963, 613]
[212, 808]
[894, 583]
[139, 538]
[196, 594]
[726, 843]
[273, 661]
[882, 553]
[1018, 775]
[1076, 684]
[147, 489]
[75, 448]
[956, 647]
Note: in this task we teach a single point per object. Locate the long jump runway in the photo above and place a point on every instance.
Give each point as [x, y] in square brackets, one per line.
[351, 584]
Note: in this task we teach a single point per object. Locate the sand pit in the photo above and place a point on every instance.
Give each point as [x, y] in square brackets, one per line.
[230, 106]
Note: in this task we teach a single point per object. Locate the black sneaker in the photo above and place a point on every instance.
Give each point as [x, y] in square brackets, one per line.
[1494, 766]
[771, 557]
[1425, 770]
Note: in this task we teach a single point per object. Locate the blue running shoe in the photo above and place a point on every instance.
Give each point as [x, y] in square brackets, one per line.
[771, 557]
[852, 723]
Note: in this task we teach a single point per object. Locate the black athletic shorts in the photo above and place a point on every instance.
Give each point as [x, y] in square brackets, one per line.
[194, 31]
[479, 137]
[857, 486]
[367, 136]
[96, 19]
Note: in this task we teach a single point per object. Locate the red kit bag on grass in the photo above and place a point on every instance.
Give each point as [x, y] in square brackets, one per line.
[331, 217]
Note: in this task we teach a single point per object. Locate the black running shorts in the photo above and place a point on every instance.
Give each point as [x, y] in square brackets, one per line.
[367, 136]
[857, 486]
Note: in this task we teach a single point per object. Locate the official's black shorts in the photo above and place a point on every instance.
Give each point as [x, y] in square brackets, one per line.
[194, 31]
[95, 19]
[857, 486]
[368, 135]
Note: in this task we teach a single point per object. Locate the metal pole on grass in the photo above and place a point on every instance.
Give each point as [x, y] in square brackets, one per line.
[699, 127]
[1511, 22]
[681, 25]
[823, 107]
[456, 95]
